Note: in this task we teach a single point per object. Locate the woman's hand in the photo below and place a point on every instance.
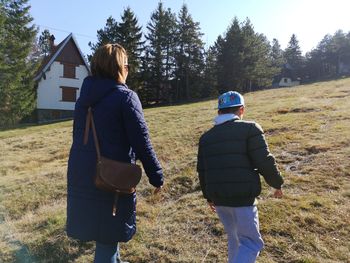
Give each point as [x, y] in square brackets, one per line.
[278, 193]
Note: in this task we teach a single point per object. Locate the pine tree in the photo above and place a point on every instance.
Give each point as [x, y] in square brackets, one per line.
[209, 84]
[161, 50]
[324, 54]
[189, 57]
[220, 69]
[17, 88]
[44, 43]
[325, 61]
[264, 70]
[340, 50]
[244, 58]
[109, 34]
[146, 90]
[4, 68]
[257, 70]
[170, 44]
[293, 56]
[252, 55]
[3, 53]
[318, 60]
[230, 58]
[277, 54]
[129, 35]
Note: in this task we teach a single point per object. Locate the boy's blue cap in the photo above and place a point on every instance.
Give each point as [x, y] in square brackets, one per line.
[230, 99]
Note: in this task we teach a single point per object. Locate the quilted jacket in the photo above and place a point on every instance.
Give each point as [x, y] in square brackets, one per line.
[230, 158]
[123, 135]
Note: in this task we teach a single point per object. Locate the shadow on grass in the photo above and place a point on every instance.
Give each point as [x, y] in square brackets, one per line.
[31, 125]
[23, 255]
[60, 250]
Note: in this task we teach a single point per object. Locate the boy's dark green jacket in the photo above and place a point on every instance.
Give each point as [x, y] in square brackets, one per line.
[230, 158]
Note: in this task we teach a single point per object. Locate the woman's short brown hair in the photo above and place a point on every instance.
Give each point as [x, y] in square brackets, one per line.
[109, 61]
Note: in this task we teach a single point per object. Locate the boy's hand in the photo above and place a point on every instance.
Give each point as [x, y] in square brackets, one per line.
[157, 190]
[278, 193]
[212, 206]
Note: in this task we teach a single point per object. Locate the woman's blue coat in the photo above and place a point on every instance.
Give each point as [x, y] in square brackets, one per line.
[123, 135]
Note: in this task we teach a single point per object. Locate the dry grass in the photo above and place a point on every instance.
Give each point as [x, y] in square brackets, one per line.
[308, 129]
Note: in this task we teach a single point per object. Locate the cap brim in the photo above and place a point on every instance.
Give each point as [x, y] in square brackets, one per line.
[232, 106]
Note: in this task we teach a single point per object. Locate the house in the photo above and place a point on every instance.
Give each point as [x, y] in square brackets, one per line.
[287, 77]
[58, 80]
[344, 68]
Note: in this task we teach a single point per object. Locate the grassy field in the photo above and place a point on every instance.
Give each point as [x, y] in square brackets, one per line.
[308, 130]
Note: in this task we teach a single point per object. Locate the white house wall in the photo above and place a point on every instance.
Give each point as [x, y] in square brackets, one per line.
[49, 91]
[288, 82]
[344, 68]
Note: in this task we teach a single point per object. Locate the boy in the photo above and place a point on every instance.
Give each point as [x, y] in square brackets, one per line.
[231, 155]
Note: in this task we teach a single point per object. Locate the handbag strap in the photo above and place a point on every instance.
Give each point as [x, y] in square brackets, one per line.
[90, 122]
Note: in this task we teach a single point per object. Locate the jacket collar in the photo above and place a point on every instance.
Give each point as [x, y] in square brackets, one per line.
[222, 118]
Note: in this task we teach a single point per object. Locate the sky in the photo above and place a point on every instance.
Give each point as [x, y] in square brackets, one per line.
[310, 20]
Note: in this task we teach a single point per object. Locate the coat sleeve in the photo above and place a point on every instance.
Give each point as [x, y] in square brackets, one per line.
[261, 158]
[201, 171]
[138, 135]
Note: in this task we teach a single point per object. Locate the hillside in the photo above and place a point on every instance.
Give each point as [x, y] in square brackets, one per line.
[308, 130]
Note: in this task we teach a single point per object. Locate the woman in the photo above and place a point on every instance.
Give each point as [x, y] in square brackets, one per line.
[122, 133]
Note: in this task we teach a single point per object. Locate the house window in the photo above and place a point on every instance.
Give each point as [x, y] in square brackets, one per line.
[69, 70]
[69, 94]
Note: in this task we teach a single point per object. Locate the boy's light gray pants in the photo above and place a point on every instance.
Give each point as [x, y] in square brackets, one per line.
[241, 225]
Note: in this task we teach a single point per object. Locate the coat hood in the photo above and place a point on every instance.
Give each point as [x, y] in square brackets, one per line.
[95, 89]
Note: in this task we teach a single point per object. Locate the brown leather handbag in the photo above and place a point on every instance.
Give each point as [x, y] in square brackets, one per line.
[111, 175]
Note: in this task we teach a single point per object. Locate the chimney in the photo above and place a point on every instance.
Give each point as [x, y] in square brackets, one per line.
[52, 43]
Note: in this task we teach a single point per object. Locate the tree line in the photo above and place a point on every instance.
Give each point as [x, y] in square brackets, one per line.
[17, 61]
[168, 60]
[330, 59]
[166, 63]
